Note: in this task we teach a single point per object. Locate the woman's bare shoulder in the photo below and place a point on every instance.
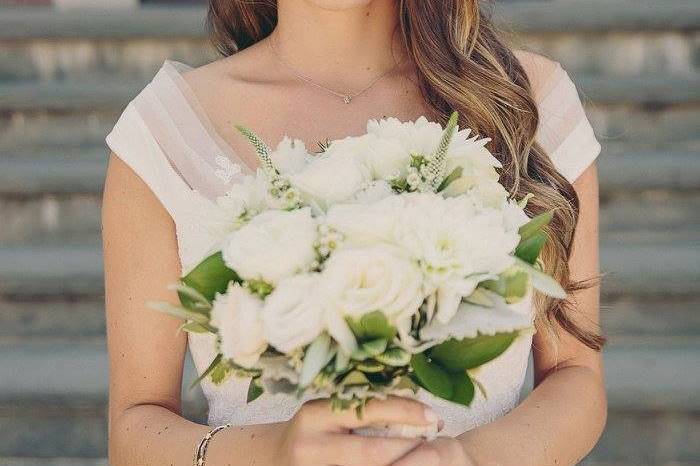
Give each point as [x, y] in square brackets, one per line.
[249, 66]
[539, 69]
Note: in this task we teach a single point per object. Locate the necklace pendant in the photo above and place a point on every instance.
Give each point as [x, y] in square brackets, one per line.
[347, 99]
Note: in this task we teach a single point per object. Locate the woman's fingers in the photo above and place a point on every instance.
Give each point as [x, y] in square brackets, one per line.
[355, 450]
[393, 410]
[440, 452]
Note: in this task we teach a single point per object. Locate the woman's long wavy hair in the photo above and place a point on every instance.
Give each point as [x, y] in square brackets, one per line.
[462, 65]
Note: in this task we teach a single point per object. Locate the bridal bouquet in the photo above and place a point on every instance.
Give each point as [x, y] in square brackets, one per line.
[390, 261]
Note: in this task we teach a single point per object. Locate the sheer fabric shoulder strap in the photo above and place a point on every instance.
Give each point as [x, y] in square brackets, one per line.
[164, 128]
[564, 130]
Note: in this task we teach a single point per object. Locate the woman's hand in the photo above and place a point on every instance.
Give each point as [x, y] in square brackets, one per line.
[443, 451]
[318, 436]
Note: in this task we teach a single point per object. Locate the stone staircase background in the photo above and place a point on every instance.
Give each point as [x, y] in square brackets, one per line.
[65, 76]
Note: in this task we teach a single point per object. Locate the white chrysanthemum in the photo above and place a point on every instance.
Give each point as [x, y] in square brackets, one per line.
[230, 211]
[290, 156]
[360, 280]
[457, 243]
[237, 315]
[293, 314]
[273, 245]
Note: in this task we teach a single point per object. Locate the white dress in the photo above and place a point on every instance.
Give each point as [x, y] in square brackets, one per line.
[166, 138]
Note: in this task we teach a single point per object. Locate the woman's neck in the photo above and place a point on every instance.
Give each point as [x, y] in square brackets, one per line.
[346, 46]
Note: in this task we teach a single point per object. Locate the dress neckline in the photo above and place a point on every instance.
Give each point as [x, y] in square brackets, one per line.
[174, 70]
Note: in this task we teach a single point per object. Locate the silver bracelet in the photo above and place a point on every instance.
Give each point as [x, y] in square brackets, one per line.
[201, 451]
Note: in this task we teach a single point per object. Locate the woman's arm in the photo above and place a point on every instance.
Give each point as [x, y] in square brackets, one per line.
[146, 350]
[146, 353]
[563, 417]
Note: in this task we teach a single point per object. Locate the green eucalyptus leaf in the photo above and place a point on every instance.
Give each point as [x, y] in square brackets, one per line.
[254, 390]
[529, 249]
[431, 376]
[463, 388]
[395, 357]
[371, 326]
[209, 277]
[468, 353]
[535, 225]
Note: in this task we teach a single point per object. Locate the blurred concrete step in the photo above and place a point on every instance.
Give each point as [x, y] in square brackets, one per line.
[52, 320]
[53, 462]
[81, 172]
[630, 319]
[639, 171]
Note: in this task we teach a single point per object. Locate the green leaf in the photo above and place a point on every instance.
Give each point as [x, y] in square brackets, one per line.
[209, 277]
[372, 326]
[529, 249]
[460, 355]
[194, 327]
[342, 361]
[355, 378]
[254, 390]
[535, 225]
[395, 357]
[183, 313]
[512, 285]
[541, 281]
[432, 377]
[370, 367]
[220, 372]
[454, 175]
[374, 347]
[463, 388]
[215, 362]
[317, 355]
[192, 299]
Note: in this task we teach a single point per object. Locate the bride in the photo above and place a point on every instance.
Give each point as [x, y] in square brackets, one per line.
[318, 70]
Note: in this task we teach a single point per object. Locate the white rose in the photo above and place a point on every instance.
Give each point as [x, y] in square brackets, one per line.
[385, 157]
[290, 156]
[362, 224]
[292, 315]
[360, 280]
[273, 245]
[237, 316]
[331, 178]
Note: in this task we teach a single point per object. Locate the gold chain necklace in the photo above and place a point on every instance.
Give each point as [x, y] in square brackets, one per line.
[347, 97]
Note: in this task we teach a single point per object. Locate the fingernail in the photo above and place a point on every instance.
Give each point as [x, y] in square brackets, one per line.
[441, 425]
[431, 416]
